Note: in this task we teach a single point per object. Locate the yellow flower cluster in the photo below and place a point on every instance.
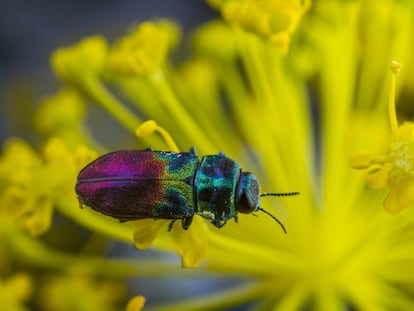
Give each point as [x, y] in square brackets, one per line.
[274, 20]
[15, 291]
[393, 166]
[145, 50]
[293, 118]
[31, 185]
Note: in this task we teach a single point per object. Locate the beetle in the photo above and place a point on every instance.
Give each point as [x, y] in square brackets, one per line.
[139, 184]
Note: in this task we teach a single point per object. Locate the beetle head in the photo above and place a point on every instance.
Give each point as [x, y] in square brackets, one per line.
[247, 194]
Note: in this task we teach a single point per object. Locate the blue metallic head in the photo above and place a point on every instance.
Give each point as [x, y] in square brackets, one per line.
[247, 194]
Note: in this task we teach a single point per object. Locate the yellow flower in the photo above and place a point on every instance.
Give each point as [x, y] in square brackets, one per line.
[145, 50]
[392, 165]
[79, 292]
[81, 62]
[15, 291]
[274, 20]
[292, 120]
[341, 249]
[31, 183]
[60, 116]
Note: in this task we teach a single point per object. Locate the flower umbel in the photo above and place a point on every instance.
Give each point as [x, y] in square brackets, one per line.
[393, 168]
[293, 120]
[15, 291]
[143, 51]
[30, 184]
[271, 19]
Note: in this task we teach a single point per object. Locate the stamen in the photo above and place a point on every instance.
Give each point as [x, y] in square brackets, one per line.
[146, 128]
[149, 127]
[363, 159]
[360, 160]
[395, 69]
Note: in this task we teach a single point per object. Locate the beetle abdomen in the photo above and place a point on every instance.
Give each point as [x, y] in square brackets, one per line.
[137, 199]
[135, 184]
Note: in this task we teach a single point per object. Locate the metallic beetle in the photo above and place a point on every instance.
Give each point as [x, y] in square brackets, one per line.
[139, 184]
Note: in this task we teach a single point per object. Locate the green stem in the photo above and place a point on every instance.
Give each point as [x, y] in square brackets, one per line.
[37, 253]
[178, 112]
[268, 257]
[98, 93]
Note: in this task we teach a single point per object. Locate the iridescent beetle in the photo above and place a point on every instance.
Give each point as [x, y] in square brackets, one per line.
[138, 184]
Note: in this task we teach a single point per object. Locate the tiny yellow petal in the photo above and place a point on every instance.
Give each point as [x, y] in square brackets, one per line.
[146, 231]
[136, 303]
[281, 41]
[40, 220]
[14, 202]
[192, 243]
[360, 160]
[377, 175]
[396, 67]
[400, 197]
[21, 285]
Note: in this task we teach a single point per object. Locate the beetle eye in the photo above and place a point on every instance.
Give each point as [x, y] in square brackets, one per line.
[248, 194]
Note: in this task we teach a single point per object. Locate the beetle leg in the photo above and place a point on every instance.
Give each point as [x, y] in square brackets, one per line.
[80, 203]
[218, 224]
[149, 149]
[236, 219]
[193, 150]
[186, 222]
[170, 226]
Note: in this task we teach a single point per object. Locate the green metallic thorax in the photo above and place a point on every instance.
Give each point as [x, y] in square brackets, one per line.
[215, 188]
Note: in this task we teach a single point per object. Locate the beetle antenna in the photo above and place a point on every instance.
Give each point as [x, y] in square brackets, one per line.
[277, 220]
[282, 194]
